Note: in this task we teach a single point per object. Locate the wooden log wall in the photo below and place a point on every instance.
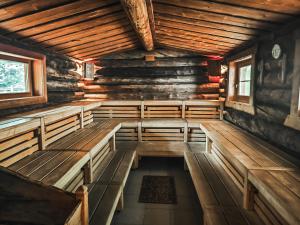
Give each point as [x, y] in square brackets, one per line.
[272, 96]
[173, 75]
[62, 81]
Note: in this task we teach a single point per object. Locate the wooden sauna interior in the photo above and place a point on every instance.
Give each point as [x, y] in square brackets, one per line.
[98, 95]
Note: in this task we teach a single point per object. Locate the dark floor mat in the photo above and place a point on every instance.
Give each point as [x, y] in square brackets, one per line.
[158, 189]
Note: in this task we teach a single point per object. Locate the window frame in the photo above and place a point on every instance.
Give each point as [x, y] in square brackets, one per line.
[30, 78]
[293, 119]
[237, 97]
[233, 100]
[37, 80]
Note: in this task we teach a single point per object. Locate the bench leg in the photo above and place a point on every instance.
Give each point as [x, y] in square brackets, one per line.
[135, 163]
[82, 195]
[208, 145]
[88, 172]
[248, 195]
[185, 166]
[120, 205]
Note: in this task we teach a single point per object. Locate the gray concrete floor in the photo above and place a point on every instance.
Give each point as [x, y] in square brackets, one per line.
[187, 211]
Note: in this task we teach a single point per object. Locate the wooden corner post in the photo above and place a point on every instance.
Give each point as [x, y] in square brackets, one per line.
[82, 195]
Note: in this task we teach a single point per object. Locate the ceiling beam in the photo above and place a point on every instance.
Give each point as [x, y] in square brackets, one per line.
[138, 16]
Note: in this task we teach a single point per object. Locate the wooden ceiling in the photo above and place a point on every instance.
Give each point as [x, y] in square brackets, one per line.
[89, 29]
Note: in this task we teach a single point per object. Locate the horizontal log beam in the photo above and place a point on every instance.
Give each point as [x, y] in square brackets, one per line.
[138, 16]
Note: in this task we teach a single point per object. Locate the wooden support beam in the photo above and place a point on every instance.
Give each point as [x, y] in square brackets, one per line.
[138, 16]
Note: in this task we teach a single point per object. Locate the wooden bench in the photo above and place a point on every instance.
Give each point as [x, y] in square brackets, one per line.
[27, 202]
[130, 130]
[244, 156]
[219, 197]
[61, 169]
[276, 195]
[106, 192]
[96, 139]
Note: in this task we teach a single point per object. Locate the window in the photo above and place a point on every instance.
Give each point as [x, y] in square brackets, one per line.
[243, 81]
[293, 119]
[240, 81]
[22, 77]
[15, 76]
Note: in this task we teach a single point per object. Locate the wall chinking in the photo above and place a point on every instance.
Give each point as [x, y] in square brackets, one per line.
[173, 75]
[272, 97]
[62, 80]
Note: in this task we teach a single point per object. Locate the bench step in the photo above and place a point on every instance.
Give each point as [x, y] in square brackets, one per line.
[216, 192]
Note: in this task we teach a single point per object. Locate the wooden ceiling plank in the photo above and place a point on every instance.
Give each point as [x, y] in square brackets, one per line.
[7, 3]
[115, 48]
[54, 35]
[237, 11]
[100, 56]
[191, 21]
[73, 22]
[179, 42]
[288, 6]
[214, 17]
[52, 14]
[111, 46]
[176, 47]
[25, 7]
[138, 16]
[91, 38]
[207, 30]
[103, 45]
[193, 42]
[186, 42]
[174, 31]
[98, 42]
[93, 31]
[197, 39]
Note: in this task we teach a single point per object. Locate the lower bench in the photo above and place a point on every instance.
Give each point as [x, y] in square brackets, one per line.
[106, 192]
[220, 200]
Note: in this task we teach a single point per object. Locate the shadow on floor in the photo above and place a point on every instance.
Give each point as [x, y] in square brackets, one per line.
[187, 211]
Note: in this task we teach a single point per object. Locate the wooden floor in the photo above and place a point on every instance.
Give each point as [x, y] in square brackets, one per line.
[186, 211]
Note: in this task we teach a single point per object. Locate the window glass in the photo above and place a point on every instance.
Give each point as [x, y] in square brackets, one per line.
[244, 80]
[13, 77]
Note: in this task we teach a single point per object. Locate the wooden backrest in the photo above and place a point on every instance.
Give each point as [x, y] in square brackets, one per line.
[19, 137]
[203, 109]
[162, 109]
[57, 123]
[87, 107]
[193, 109]
[118, 109]
[164, 130]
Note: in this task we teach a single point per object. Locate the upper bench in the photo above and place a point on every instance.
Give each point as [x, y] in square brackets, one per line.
[193, 109]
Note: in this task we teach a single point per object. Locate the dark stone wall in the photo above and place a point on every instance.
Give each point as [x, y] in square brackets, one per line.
[173, 75]
[61, 80]
[272, 98]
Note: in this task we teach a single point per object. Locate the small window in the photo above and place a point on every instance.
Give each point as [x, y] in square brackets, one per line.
[240, 81]
[15, 76]
[243, 79]
[22, 77]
